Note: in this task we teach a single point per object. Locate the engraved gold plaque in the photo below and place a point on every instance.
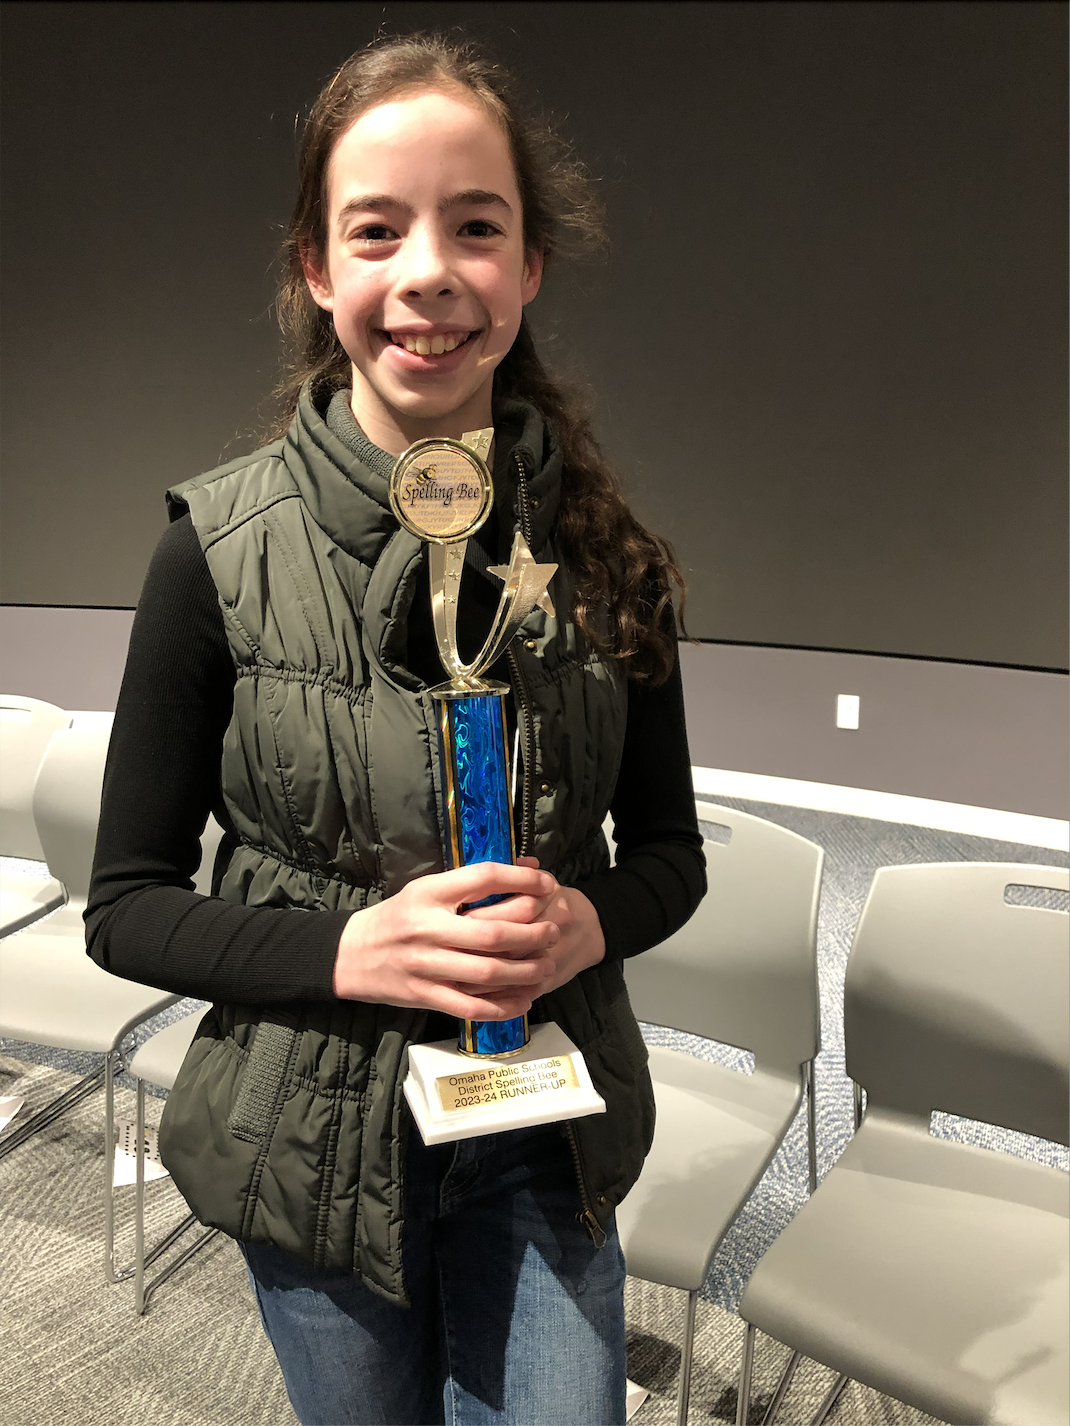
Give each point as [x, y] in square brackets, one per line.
[501, 1083]
[440, 490]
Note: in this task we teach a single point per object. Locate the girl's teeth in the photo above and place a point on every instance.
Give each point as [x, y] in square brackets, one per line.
[429, 346]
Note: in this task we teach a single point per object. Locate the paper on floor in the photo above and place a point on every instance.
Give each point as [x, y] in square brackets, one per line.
[126, 1155]
[635, 1398]
[9, 1107]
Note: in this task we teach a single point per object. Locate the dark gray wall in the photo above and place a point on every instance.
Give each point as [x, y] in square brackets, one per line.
[828, 349]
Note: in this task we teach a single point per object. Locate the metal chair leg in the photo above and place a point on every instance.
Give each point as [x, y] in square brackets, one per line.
[41, 1120]
[169, 1271]
[782, 1388]
[685, 1360]
[114, 1062]
[811, 1123]
[745, 1370]
[139, 1204]
[142, 1290]
[830, 1400]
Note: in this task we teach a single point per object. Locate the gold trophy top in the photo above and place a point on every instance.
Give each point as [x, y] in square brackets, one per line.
[441, 492]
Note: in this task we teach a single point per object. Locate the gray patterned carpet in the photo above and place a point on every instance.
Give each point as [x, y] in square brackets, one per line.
[74, 1352]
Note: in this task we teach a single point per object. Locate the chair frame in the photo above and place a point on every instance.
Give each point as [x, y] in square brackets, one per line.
[114, 1064]
[52, 892]
[859, 1105]
[143, 1290]
[711, 811]
[787, 1375]
[683, 1397]
[117, 1054]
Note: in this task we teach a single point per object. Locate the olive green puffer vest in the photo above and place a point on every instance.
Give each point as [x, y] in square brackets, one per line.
[287, 1124]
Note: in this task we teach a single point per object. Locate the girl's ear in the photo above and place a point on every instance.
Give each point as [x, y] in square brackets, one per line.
[319, 284]
[531, 276]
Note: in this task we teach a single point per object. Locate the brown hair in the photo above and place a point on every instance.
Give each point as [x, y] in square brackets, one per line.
[620, 566]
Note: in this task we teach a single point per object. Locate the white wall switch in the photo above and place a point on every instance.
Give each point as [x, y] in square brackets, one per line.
[847, 710]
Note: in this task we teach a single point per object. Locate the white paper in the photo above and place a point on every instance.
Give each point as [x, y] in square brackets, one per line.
[635, 1398]
[126, 1155]
[9, 1107]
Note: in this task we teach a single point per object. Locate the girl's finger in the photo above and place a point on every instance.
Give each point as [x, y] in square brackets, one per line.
[488, 973]
[517, 909]
[455, 1000]
[473, 883]
[494, 937]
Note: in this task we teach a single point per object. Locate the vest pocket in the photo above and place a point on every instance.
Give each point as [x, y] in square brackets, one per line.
[264, 1078]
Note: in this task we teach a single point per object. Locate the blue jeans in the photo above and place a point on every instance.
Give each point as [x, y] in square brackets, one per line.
[516, 1318]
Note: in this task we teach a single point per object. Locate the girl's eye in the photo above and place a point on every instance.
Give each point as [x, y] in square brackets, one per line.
[375, 233]
[479, 228]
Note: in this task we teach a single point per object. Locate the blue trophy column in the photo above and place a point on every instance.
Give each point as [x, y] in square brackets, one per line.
[479, 820]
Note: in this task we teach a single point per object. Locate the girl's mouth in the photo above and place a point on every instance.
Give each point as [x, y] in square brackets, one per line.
[436, 345]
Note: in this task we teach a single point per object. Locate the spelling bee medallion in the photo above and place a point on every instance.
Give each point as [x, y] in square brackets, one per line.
[440, 490]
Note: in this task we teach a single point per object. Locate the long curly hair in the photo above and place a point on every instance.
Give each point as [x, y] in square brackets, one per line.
[626, 576]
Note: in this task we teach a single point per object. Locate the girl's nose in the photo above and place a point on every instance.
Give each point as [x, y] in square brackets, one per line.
[424, 269]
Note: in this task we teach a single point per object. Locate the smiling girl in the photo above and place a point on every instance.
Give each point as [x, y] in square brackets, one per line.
[278, 676]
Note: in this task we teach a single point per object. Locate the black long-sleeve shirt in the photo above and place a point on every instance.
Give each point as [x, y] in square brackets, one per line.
[144, 920]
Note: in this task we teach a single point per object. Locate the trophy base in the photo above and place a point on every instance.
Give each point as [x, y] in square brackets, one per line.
[457, 1096]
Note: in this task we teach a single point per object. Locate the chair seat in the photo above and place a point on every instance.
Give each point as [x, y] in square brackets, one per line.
[985, 1339]
[160, 1058]
[24, 899]
[51, 993]
[716, 1131]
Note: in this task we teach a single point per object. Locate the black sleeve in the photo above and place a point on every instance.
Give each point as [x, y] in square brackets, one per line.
[660, 872]
[144, 920]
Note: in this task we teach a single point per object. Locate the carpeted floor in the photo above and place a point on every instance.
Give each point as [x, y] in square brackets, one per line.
[73, 1350]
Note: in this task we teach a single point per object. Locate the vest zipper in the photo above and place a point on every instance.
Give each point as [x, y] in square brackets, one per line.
[523, 498]
[520, 690]
[587, 1215]
[527, 743]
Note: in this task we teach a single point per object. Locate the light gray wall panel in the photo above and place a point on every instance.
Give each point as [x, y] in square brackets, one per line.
[71, 657]
[988, 737]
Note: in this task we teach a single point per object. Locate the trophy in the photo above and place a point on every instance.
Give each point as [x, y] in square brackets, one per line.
[499, 1074]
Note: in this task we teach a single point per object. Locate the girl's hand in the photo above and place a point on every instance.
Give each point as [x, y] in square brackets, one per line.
[580, 943]
[414, 949]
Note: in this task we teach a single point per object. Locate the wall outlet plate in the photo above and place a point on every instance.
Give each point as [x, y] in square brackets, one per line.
[847, 707]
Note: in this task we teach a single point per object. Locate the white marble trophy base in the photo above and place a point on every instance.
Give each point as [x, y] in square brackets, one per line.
[455, 1096]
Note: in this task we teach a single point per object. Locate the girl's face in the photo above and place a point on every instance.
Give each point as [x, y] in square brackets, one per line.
[425, 271]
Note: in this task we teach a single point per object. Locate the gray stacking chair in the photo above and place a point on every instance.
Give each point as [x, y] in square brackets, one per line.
[934, 1270]
[26, 725]
[51, 993]
[743, 971]
[157, 1062]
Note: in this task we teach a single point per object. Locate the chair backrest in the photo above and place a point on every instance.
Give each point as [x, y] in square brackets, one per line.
[744, 968]
[210, 840]
[66, 802]
[26, 725]
[956, 998]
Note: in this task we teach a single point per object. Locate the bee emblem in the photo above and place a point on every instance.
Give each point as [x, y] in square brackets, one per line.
[426, 474]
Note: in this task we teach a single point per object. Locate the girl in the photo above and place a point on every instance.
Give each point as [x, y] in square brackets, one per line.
[278, 676]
